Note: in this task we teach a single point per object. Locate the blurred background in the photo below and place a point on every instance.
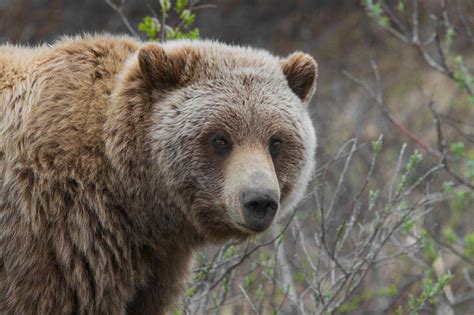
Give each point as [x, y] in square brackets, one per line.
[388, 225]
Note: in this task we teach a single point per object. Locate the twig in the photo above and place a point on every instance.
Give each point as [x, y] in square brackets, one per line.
[248, 300]
[119, 10]
[381, 105]
[442, 148]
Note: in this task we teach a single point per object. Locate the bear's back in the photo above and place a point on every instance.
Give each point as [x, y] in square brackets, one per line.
[52, 104]
[15, 63]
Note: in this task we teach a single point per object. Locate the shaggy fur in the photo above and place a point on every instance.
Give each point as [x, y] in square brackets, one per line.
[108, 181]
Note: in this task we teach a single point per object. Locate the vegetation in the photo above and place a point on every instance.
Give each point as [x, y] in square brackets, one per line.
[386, 227]
[157, 27]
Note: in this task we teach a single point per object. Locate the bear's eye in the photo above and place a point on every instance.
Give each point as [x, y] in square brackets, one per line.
[221, 144]
[275, 146]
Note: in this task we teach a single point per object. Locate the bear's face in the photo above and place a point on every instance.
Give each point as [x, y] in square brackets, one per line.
[230, 132]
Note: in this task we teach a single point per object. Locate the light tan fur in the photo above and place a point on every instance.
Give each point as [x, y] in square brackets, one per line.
[240, 173]
[108, 179]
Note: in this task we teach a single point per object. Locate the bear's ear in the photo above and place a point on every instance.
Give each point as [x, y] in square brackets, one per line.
[161, 69]
[301, 72]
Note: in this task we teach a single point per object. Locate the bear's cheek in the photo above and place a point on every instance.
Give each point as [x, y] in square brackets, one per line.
[288, 168]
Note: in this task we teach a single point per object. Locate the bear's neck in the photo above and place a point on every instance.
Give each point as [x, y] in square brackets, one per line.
[128, 148]
[168, 237]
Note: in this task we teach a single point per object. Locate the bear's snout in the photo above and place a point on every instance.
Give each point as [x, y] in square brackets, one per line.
[259, 208]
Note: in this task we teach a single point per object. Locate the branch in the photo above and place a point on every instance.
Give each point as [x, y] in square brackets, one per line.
[442, 148]
[119, 10]
[378, 99]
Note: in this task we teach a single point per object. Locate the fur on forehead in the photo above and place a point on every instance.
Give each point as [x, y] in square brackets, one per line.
[214, 56]
[177, 63]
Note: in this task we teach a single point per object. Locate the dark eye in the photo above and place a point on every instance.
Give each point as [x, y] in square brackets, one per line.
[221, 144]
[275, 146]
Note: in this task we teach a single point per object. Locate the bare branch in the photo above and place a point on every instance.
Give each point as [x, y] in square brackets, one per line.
[119, 9]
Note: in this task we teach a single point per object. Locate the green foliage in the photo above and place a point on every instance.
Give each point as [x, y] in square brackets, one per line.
[462, 199]
[249, 281]
[448, 187]
[300, 276]
[413, 160]
[450, 32]
[150, 27]
[260, 292]
[375, 11]
[177, 311]
[449, 235]
[401, 6]
[428, 246]
[457, 148]
[377, 144]
[192, 34]
[408, 225]
[469, 247]
[181, 5]
[187, 17]
[470, 168]
[200, 275]
[340, 231]
[159, 30]
[373, 196]
[229, 252]
[190, 292]
[165, 6]
[429, 293]
[367, 296]
[462, 76]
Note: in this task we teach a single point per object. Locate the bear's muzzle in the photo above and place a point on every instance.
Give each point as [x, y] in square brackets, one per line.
[260, 207]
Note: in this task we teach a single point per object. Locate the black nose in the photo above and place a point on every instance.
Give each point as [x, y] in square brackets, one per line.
[259, 209]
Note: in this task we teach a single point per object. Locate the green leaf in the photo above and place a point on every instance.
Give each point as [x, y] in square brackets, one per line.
[229, 252]
[469, 249]
[428, 246]
[450, 32]
[458, 149]
[462, 76]
[448, 187]
[190, 292]
[373, 196]
[413, 160]
[377, 145]
[150, 27]
[408, 225]
[470, 168]
[300, 276]
[180, 5]
[248, 281]
[188, 18]
[388, 291]
[340, 231]
[401, 6]
[449, 235]
[177, 311]
[430, 292]
[165, 6]
[193, 34]
[375, 11]
[461, 200]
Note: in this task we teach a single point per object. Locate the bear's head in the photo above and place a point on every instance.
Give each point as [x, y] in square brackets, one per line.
[229, 135]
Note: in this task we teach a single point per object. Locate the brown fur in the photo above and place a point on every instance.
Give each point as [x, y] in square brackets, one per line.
[107, 181]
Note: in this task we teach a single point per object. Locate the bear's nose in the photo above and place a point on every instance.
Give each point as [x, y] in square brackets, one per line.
[259, 209]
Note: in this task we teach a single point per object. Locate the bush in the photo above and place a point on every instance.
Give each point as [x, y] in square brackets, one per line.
[373, 210]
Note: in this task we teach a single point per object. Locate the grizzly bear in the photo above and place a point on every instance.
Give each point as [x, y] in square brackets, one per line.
[119, 159]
